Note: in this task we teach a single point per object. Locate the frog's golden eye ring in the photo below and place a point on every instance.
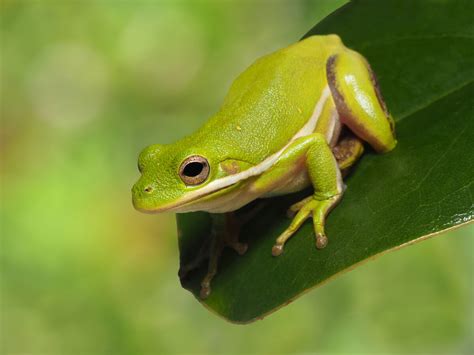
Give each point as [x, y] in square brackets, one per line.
[194, 170]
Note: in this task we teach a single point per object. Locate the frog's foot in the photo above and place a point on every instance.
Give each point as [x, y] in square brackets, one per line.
[225, 234]
[348, 151]
[231, 236]
[293, 210]
[312, 206]
[215, 253]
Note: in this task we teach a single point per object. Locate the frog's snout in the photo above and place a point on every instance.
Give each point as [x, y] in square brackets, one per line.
[141, 192]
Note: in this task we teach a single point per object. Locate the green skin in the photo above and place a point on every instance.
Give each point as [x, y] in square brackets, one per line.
[274, 134]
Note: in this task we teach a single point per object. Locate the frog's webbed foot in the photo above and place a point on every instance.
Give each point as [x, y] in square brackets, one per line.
[225, 233]
[314, 207]
[347, 151]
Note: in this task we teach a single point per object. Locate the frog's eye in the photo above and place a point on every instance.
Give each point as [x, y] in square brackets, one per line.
[194, 170]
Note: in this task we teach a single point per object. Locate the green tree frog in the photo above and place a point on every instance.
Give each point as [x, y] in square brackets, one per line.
[295, 118]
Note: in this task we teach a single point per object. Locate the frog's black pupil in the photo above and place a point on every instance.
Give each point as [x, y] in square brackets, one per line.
[193, 169]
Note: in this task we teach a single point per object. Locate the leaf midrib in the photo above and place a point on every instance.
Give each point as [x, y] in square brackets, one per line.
[426, 105]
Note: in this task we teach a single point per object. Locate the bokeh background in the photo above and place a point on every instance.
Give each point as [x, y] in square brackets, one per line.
[84, 86]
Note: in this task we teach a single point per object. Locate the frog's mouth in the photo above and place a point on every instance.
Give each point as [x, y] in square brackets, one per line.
[225, 199]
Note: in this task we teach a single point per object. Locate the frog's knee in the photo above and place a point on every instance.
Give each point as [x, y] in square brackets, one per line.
[358, 100]
[318, 139]
[318, 144]
[334, 39]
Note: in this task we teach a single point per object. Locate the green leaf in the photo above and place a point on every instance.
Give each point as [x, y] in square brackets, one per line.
[422, 52]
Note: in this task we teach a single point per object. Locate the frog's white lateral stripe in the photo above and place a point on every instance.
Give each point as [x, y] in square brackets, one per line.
[218, 184]
[331, 129]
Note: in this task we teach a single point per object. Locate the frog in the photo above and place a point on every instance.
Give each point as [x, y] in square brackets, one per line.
[295, 119]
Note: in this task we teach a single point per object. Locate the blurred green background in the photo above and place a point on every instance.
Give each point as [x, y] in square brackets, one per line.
[84, 86]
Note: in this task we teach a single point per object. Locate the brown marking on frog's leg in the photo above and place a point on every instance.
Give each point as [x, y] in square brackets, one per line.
[380, 98]
[378, 93]
[345, 113]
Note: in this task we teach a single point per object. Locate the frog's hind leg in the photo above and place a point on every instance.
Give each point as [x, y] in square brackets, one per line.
[358, 100]
[225, 232]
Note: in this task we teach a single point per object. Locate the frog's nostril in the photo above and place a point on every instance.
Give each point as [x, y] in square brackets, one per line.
[148, 189]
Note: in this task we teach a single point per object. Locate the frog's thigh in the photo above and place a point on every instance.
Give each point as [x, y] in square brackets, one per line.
[326, 179]
[358, 100]
[323, 169]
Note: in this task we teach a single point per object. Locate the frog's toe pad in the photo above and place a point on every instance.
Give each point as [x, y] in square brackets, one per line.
[242, 248]
[205, 292]
[277, 250]
[321, 241]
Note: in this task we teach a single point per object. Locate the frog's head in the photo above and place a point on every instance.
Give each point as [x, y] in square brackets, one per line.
[177, 180]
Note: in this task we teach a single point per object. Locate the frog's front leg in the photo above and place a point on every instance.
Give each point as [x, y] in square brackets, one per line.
[325, 177]
[225, 232]
[347, 151]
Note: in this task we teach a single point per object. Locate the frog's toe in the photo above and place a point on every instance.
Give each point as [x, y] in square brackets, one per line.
[321, 241]
[296, 207]
[241, 248]
[277, 250]
[303, 214]
[205, 291]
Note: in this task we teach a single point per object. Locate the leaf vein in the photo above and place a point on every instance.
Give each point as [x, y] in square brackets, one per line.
[436, 99]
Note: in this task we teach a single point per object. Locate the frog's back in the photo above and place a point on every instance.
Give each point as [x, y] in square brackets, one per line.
[270, 101]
